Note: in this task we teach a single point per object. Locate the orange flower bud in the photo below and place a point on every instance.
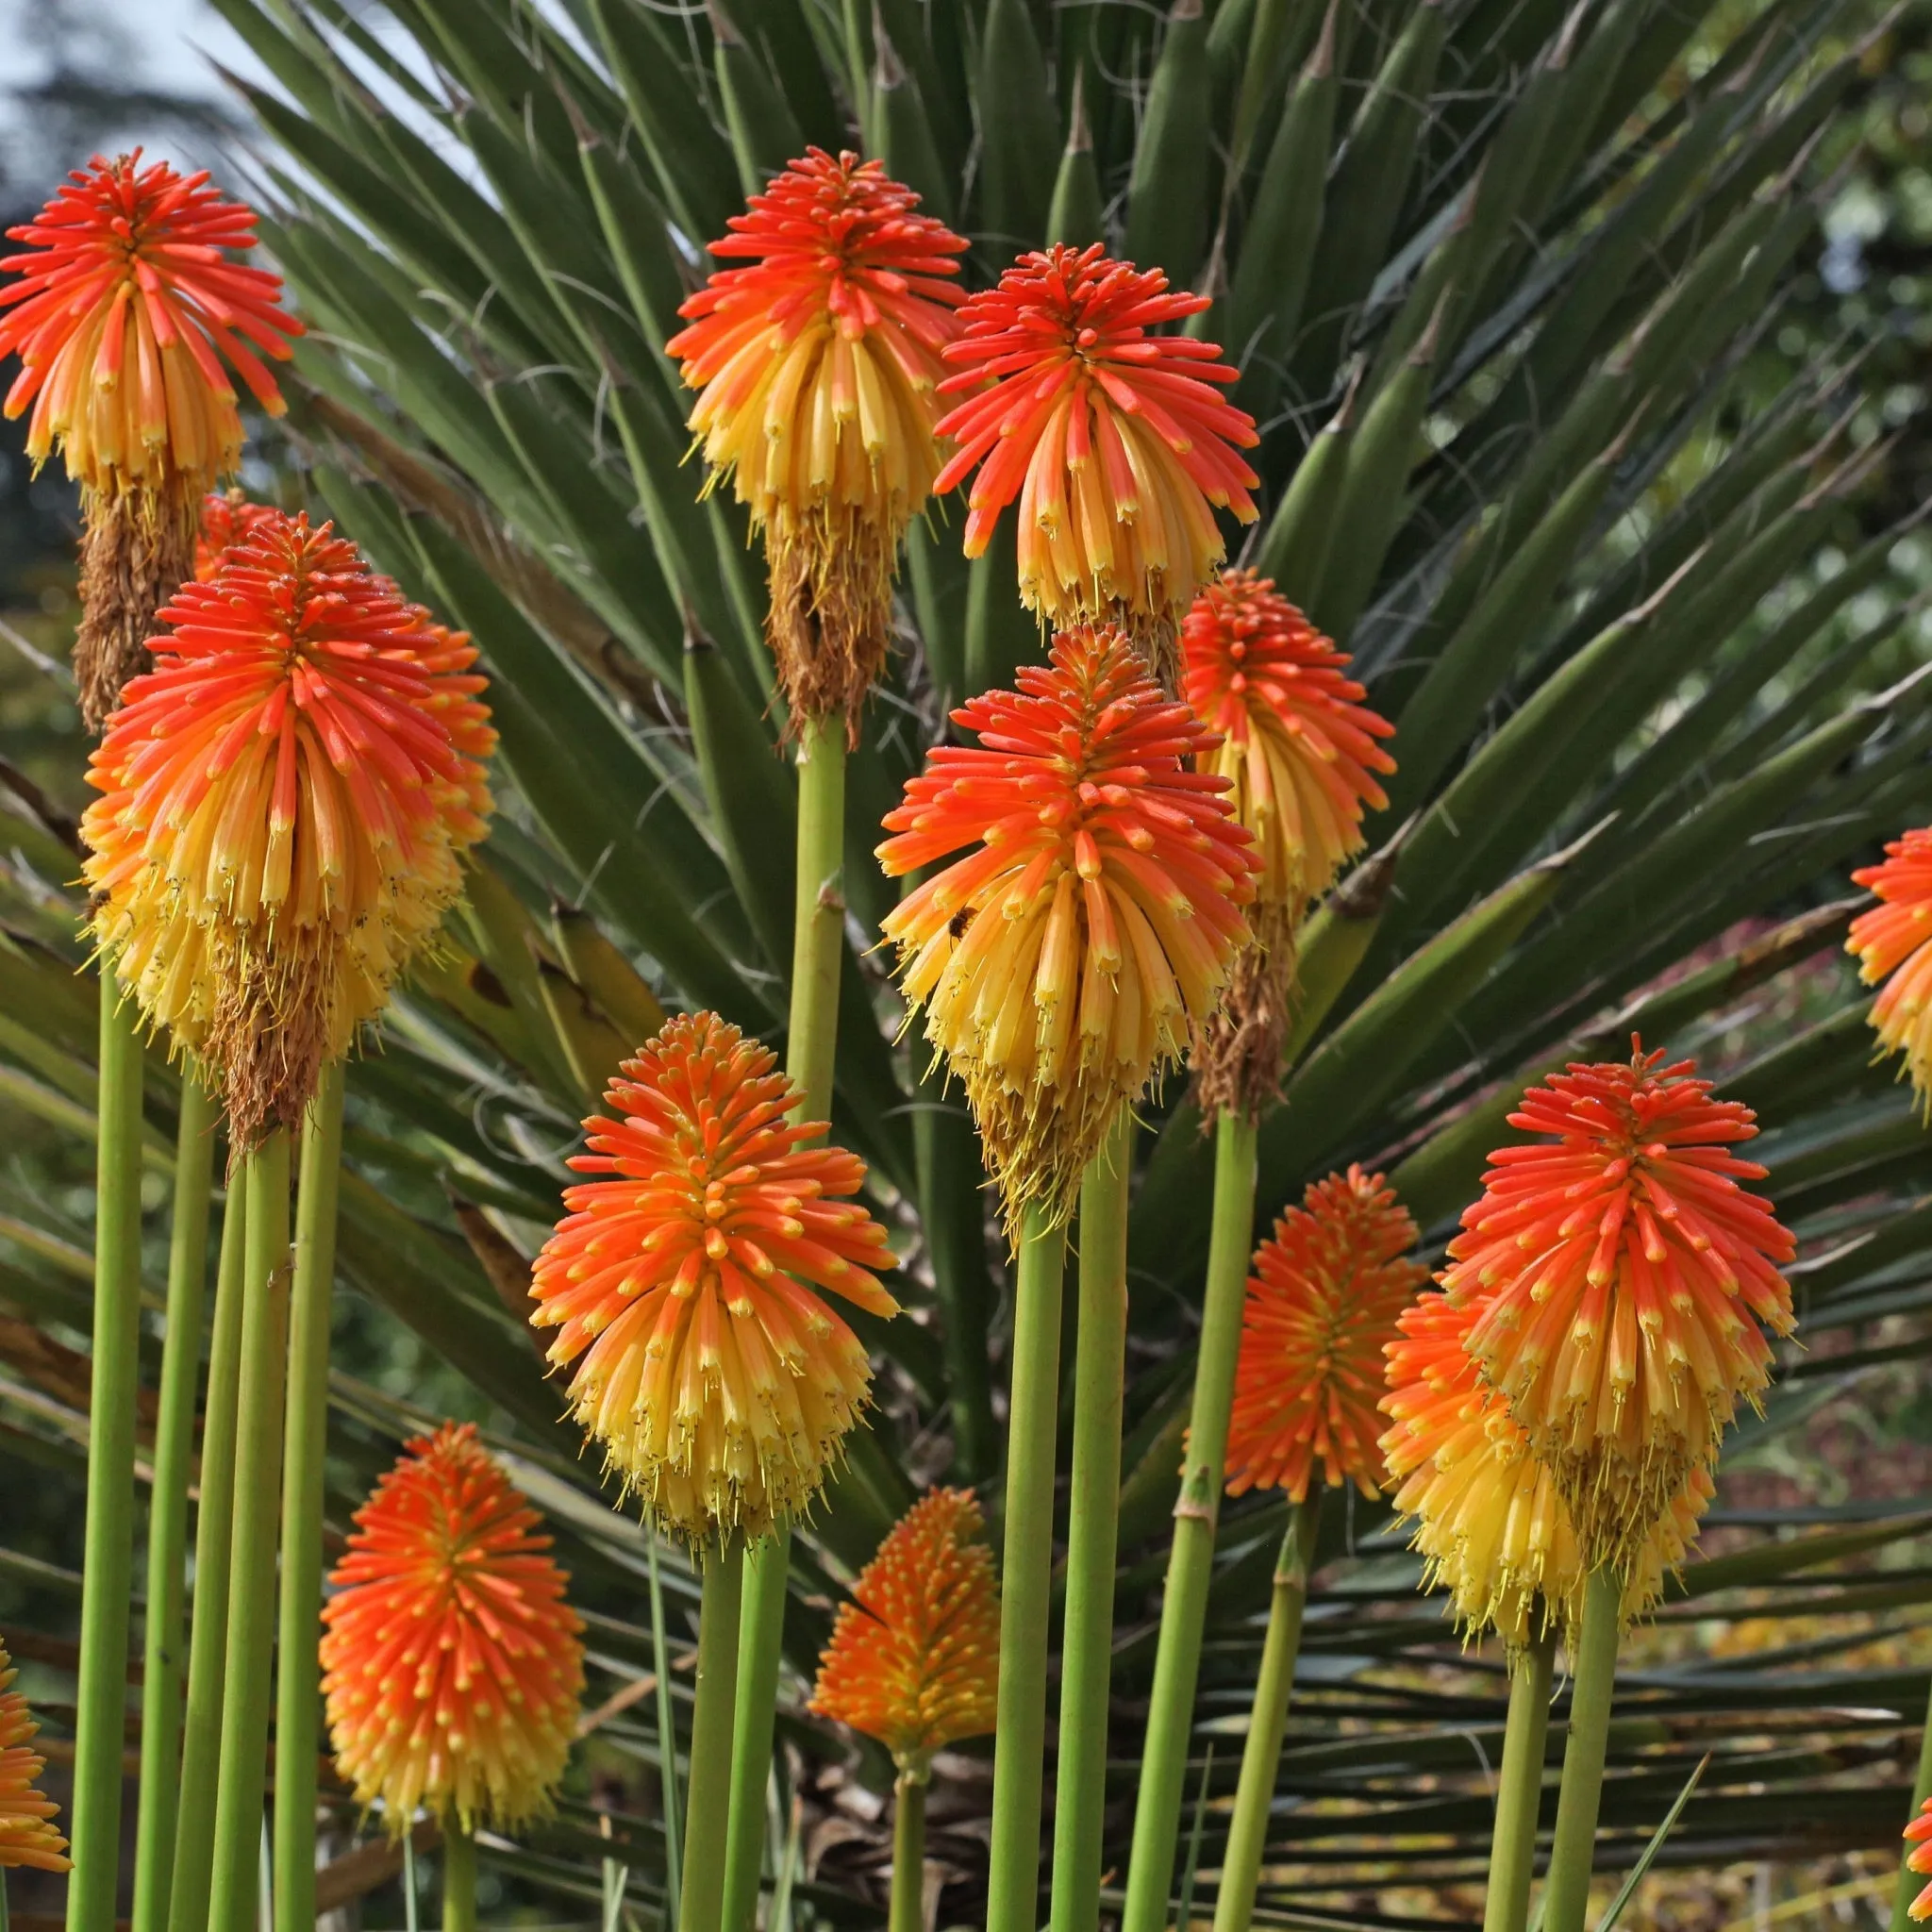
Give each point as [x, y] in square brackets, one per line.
[1890, 942]
[27, 1819]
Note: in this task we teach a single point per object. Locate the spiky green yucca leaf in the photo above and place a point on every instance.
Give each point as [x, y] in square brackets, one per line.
[1498, 277]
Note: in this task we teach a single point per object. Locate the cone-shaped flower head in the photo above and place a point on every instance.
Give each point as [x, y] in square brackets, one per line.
[228, 519]
[1497, 1535]
[914, 1658]
[452, 1665]
[28, 1836]
[1892, 940]
[1625, 1282]
[286, 798]
[1061, 962]
[129, 319]
[1322, 1305]
[1116, 441]
[1918, 1836]
[1301, 751]
[818, 364]
[683, 1289]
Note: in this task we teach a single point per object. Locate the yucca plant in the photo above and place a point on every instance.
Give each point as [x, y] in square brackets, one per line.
[1496, 276]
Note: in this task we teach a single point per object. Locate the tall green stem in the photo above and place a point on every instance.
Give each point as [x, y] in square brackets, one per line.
[459, 1879]
[1520, 1787]
[167, 1523]
[1911, 1883]
[1026, 1577]
[1099, 1351]
[1592, 1685]
[298, 1677]
[907, 1910]
[201, 1731]
[707, 1795]
[667, 1737]
[233, 1886]
[1247, 1834]
[100, 1725]
[817, 942]
[1191, 1563]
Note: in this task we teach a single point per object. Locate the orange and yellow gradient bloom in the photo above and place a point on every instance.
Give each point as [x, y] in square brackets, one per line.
[817, 363]
[1116, 441]
[1625, 1282]
[1322, 1305]
[684, 1289]
[131, 322]
[1890, 943]
[452, 1666]
[1303, 754]
[285, 803]
[913, 1660]
[1918, 1860]
[1061, 962]
[28, 1836]
[1497, 1535]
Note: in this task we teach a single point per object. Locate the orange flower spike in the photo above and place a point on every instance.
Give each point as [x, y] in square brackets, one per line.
[286, 799]
[1297, 744]
[128, 317]
[1495, 1534]
[1116, 441]
[1627, 1281]
[452, 1666]
[28, 1836]
[228, 519]
[1890, 943]
[1320, 1305]
[683, 1290]
[817, 363]
[1918, 1860]
[913, 1661]
[1061, 962]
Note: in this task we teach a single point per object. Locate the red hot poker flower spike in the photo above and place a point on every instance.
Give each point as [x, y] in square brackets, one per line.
[453, 1667]
[819, 363]
[1322, 1304]
[1301, 751]
[128, 317]
[1892, 940]
[914, 1658]
[1497, 1536]
[1062, 960]
[28, 1836]
[1116, 441]
[683, 1290]
[1628, 1281]
[286, 799]
[228, 521]
[1918, 1860]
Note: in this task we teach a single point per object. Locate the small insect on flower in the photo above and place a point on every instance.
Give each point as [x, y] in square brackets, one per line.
[1627, 1281]
[818, 364]
[128, 317]
[1322, 1304]
[28, 1836]
[1116, 441]
[1918, 1860]
[1105, 898]
[1496, 1534]
[682, 1290]
[1301, 751]
[914, 1657]
[285, 802]
[453, 1667]
[1890, 943]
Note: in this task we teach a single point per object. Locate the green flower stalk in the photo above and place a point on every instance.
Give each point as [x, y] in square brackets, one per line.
[1520, 1783]
[101, 1716]
[1592, 1686]
[167, 1534]
[201, 1727]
